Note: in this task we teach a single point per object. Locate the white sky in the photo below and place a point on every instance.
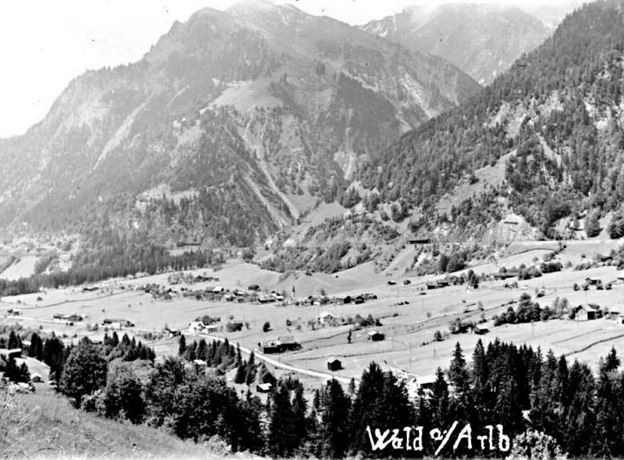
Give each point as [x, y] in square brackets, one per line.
[46, 43]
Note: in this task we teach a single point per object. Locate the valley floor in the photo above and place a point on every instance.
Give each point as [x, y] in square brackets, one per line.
[410, 314]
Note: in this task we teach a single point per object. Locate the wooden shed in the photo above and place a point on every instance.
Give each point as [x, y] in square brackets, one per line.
[334, 364]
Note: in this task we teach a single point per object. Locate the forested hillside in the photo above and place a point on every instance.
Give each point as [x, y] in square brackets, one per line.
[559, 112]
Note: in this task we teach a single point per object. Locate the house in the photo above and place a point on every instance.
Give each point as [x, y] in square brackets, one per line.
[417, 239]
[619, 319]
[587, 312]
[437, 284]
[11, 352]
[376, 336]
[506, 275]
[326, 318]
[196, 326]
[358, 300]
[288, 342]
[593, 281]
[264, 387]
[426, 382]
[334, 364]
[270, 347]
[480, 330]
[281, 344]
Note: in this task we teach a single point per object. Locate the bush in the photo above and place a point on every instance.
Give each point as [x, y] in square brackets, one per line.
[616, 227]
[550, 267]
[592, 226]
[266, 327]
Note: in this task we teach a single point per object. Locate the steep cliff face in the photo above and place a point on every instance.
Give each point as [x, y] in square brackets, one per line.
[482, 40]
[234, 122]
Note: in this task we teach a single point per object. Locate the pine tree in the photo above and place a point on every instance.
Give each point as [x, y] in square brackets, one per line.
[299, 422]
[54, 356]
[241, 373]
[440, 400]
[251, 369]
[334, 436]
[281, 439]
[36, 347]
[479, 380]
[14, 340]
[181, 345]
[612, 362]
[460, 379]
[365, 409]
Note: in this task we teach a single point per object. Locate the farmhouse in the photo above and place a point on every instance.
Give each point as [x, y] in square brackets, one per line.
[288, 342]
[437, 284]
[587, 312]
[196, 326]
[418, 239]
[334, 364]
[426, 382]
[264, 387]
[479, 330]
[279, 345]
[270, 347]
[619, 319]
[376, 336]
[326, 318]
[10, 352]
[506, 275]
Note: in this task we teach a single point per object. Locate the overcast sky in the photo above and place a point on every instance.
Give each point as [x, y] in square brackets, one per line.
[46, 43]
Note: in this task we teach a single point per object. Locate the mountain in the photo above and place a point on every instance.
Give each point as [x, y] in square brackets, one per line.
[483, 40]
[232, 125]
[543, 143]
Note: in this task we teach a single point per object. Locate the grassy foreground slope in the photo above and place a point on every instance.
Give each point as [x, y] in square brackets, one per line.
[45, 425]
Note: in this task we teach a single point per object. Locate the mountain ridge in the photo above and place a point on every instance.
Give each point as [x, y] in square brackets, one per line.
[255, 121]
[483, 40]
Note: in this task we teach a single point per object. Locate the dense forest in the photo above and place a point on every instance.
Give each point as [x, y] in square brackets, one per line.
[109, 255]
[544, 403]
[567, 93]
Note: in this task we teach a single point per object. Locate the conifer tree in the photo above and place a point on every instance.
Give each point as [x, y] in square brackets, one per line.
[181, 345]
[335, 435]
[281, 439]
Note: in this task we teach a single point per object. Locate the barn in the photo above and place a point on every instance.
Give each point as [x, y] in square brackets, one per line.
[376, 336]
[334, 364]
[587, 312]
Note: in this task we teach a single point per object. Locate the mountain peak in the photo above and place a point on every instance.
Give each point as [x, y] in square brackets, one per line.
[483, 40]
